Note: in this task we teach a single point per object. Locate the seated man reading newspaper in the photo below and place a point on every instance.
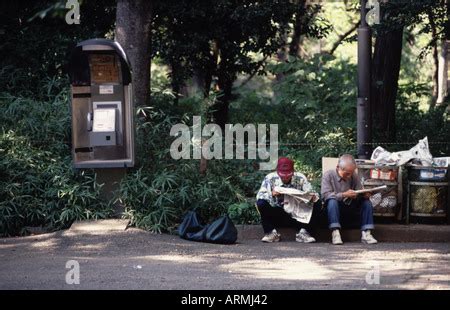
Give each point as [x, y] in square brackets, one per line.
[286, 199]
[340, 192]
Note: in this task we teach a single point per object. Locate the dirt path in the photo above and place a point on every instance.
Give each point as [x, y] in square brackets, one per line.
[134, 259]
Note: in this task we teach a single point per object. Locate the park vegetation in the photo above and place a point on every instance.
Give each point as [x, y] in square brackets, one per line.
[291, 63]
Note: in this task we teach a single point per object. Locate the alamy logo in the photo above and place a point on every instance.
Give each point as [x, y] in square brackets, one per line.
[373, 275]
[373, 17]
[207, 142]
[73, 275]
[73, 16]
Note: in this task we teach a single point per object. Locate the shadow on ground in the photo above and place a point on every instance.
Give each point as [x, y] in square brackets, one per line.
[135, 259]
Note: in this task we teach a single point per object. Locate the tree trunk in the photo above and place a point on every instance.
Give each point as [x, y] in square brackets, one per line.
[435, 61]
[435, 93]
[133, 32]
[386, 70]
[282, 55]
[298, 29]
[443, 73]
[443, 62]
[210, 67]
[194, 86]
[447, 39]
[221, 106]
[176, 81]
[219, 111]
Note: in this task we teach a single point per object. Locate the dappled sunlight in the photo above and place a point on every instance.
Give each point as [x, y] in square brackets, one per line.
[183, 259]
[292, 269]
[404, 273]
[7, 246]
[134, 257]
[100, 227]
[45, 244]
[89, 247]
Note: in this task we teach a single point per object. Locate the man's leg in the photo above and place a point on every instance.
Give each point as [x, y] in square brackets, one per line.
[271, 217]
[334, 220]
[306, 229]
[367, 222]
[366, 215]
[286, 220]
[333, 210]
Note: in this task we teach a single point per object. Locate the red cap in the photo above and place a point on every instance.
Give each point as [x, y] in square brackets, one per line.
[285, 167]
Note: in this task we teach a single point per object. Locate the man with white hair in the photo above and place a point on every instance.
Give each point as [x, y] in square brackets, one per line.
[343, 204]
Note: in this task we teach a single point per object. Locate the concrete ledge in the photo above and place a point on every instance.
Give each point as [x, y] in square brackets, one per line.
[382, 232]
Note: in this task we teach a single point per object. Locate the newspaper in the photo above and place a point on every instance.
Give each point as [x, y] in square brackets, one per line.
[371, 190]
[420, 153]
[441, 162]
[297, 203]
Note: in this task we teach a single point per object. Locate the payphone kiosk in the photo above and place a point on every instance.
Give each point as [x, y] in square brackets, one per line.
[101, 106]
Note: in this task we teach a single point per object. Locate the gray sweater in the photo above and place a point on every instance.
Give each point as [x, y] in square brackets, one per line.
[333, 185]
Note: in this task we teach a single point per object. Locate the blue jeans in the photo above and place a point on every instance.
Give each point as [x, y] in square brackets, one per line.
[360, 210]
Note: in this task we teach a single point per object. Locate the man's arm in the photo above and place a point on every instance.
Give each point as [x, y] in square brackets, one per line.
[328, 191]
[307, 187]
[265, 192]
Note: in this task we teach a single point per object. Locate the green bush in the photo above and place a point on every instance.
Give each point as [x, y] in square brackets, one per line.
[244, 213]
[314, 105]
[38, 186]
[157, 194]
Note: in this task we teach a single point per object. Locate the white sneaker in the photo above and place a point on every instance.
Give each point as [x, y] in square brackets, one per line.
[367, 238]
[304, 236]
[273, 236]
[336, 237]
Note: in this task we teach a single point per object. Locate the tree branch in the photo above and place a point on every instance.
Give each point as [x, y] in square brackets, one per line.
[342, 37]
[261, 63]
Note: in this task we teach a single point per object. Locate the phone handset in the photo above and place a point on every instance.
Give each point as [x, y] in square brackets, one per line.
[89, 121]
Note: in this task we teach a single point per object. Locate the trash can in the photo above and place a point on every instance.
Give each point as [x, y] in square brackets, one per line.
[428, 193]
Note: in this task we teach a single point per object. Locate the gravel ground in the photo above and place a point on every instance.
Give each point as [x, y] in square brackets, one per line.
[135, 259]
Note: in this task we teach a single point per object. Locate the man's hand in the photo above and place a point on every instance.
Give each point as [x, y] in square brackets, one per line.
[314, 198]
[367, 195]
[275, 193]
[349, 194]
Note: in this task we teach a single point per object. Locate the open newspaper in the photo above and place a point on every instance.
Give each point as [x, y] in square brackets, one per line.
[371, 190]
[297, 203]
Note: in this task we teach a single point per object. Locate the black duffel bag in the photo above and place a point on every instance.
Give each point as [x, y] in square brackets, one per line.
[190, 225]
[221, 231]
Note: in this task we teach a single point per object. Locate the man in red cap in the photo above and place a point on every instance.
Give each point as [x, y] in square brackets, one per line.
[270, 202]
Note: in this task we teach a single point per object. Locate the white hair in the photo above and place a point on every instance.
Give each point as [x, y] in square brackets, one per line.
[346, 160]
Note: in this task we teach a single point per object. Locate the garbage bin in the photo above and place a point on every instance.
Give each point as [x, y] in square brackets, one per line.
[428, 193]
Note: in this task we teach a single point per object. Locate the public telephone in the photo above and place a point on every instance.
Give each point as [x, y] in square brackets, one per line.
[102, 107]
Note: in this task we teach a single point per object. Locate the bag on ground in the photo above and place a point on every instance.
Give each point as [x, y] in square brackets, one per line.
[221, 231]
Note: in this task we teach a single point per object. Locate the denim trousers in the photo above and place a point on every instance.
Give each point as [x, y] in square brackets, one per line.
[358, 213]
